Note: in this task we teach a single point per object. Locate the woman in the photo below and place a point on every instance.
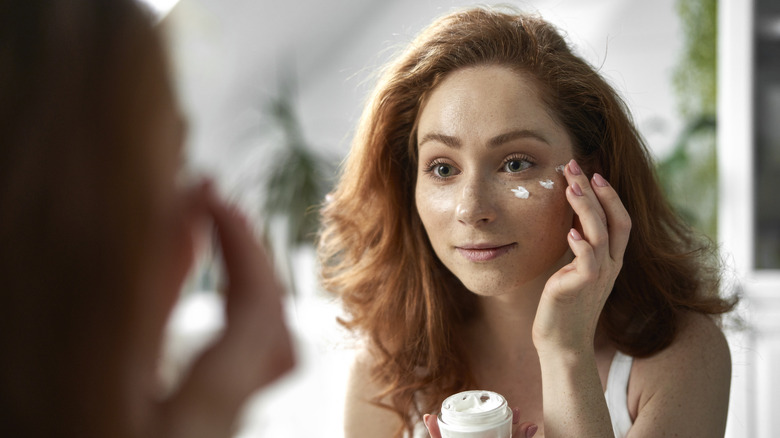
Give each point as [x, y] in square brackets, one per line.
[498, 226]
[96, 237]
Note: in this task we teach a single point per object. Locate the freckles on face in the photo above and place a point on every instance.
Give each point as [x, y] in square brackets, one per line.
[488, 193]
[534, 229]
[521, 192]
[539, 203]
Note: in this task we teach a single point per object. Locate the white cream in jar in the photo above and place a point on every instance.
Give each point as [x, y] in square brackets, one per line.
[475, 414]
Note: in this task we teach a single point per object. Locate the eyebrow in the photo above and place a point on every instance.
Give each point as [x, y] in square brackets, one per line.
[447, 140]
[455, 143]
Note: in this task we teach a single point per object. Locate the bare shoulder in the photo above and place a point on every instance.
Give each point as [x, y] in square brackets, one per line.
[686, 386]
[362, 417]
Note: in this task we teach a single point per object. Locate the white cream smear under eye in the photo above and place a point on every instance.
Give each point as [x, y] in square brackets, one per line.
[521, 192]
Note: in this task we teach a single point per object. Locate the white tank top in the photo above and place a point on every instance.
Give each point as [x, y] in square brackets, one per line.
[617, 393]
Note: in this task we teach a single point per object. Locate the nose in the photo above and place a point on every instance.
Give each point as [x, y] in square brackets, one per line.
[475, 205]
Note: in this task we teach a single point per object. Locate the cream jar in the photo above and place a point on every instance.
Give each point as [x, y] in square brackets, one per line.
[475, 414]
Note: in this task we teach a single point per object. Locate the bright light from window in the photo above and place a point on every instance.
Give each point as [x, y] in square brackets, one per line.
[161, 7]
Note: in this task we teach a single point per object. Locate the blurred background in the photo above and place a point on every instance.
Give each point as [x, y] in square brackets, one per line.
[273, 91]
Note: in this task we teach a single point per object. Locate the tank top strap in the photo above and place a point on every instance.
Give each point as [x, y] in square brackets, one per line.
[616, 393]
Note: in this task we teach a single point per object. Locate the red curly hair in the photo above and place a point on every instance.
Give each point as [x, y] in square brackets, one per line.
[375, 253]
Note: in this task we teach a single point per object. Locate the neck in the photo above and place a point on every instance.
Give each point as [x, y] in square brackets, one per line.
[504, 322]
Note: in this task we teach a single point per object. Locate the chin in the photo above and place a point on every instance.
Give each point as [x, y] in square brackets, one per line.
[499, 279]
[491, 282]
[493, 289]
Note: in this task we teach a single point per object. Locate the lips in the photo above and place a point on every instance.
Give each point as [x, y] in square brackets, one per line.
[484, 253]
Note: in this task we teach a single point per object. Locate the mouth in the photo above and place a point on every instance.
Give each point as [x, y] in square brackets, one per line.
[484, 253]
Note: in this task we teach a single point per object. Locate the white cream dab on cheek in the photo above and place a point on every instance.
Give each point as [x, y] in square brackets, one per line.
[547, 184]
[560, 168]
[521, 192]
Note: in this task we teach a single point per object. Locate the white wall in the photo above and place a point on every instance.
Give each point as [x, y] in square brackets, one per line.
[230, 53]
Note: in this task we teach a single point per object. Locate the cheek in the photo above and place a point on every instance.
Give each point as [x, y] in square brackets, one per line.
[181, 246]
[168, 256]
[174, 248]
[435, 205]
[544, 209]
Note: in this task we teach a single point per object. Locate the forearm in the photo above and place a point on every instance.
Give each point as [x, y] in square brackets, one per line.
[574, 403]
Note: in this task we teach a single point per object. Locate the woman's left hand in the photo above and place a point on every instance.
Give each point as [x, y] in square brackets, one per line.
[573, 297]
[525, 429]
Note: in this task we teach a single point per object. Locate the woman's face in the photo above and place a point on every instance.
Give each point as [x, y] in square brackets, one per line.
[174, 206]
[488, 192]
[175, 211]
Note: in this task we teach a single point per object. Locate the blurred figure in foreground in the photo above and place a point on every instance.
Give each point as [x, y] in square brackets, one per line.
[97, 236]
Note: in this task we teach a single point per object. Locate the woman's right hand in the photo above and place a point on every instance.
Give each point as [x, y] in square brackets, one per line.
[254, 348]
[574, 296]
[525, 429]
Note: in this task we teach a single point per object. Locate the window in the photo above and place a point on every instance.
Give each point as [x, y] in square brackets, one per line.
[766, 156]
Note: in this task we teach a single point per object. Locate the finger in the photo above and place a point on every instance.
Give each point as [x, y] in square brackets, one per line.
[578, 182]
[586, 265]
[587, 207]
[254, 348]
[616, 215]
[239, 248]
[251, 280]
[571, 278]
[432, 425]
[256, 336]
[522, 429]
[525, 430]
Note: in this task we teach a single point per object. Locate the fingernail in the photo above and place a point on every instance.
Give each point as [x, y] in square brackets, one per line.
[575, 234]
[531, 431]
[425, 421]
[576, 189]
[574, 168]
[599, 180]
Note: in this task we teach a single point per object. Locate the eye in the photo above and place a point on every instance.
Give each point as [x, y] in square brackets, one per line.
[443, 170]
[440, 169]
[516, 164]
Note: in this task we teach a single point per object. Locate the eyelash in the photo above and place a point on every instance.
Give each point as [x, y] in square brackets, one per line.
[430, 167]
[517, 157]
